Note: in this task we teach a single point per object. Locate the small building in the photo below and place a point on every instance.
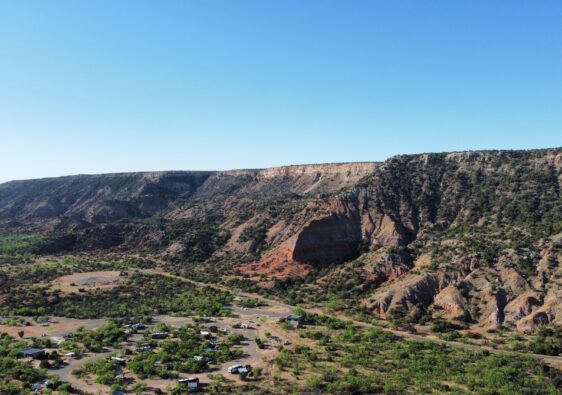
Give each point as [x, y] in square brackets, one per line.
[159, 335]
[205, 333]
[244, 370]
[192, 382]
[35, 353]
[294, 320]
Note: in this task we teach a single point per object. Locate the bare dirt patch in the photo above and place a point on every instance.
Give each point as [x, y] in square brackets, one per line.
[73, 282]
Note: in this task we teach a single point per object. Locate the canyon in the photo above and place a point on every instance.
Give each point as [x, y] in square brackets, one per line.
[466, 236]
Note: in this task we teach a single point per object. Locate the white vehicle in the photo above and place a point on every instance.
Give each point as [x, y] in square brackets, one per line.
[234, 369]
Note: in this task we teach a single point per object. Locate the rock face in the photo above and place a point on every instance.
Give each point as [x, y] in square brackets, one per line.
[451, 300]
[330, 239]
[471, 234]
[301, 180]
[413, 291]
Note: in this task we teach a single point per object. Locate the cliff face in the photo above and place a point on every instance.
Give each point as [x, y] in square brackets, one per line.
[471, 234]
[351, 171]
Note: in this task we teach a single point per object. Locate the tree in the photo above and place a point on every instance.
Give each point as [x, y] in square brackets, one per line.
[139, 388]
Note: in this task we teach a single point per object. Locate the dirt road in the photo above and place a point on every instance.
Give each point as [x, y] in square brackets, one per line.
[65, 373]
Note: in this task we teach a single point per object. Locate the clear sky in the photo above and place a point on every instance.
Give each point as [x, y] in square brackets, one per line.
[110, 86]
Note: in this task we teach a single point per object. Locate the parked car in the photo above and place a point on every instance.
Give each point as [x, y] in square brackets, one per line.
[234, 369]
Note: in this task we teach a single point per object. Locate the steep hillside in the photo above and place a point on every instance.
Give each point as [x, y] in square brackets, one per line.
[474, 238]
[94, 199]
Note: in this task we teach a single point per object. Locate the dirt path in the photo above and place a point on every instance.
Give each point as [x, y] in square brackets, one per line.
[65, 373]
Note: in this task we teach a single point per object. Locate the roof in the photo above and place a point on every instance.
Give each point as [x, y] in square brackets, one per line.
[294, 317]
[189, 380]
[191, 383]
[31, 351]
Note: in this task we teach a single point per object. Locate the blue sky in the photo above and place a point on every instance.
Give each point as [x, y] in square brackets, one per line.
[110, 86]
